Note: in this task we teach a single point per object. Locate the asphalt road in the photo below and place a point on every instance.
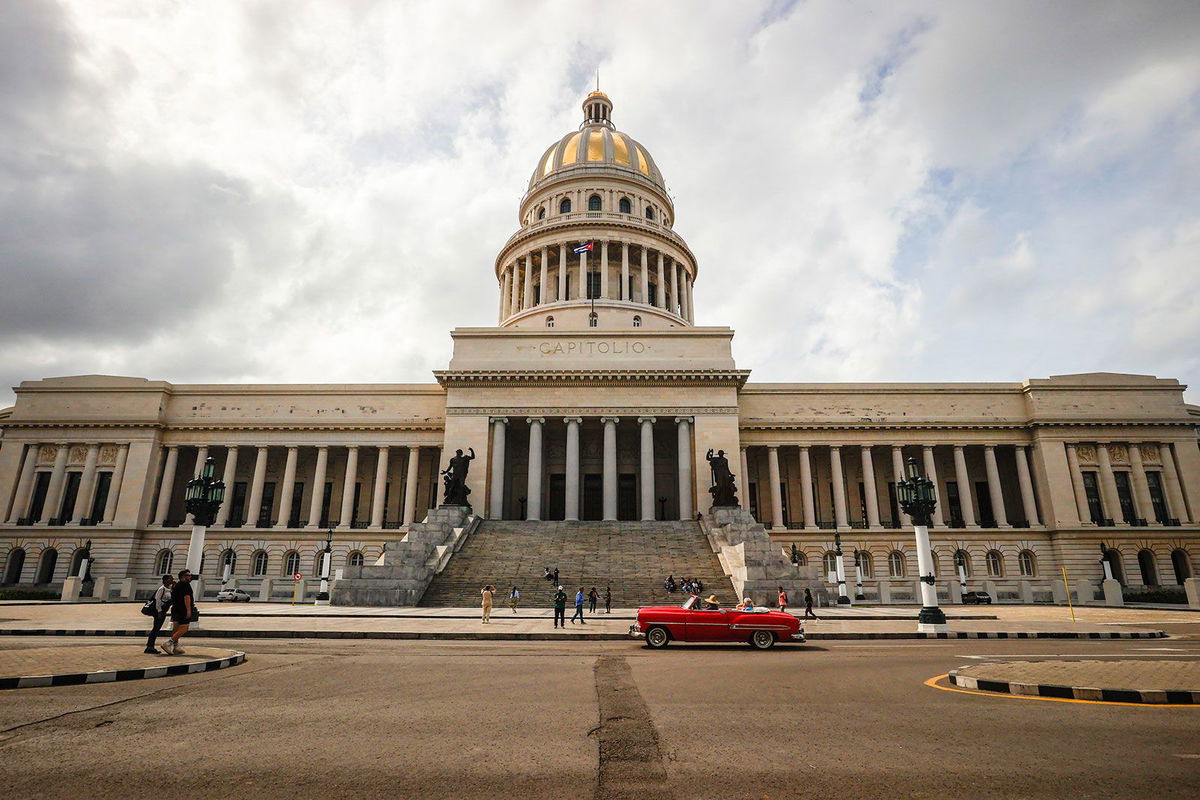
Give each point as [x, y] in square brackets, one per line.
[606, 720]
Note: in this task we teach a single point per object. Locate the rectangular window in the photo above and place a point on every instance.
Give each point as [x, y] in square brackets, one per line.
[783, 495]
[1157, 498]
[593, 285]
[1091, 489]
[986, 516]
[326, 501]
[862, 503]
[70, 493]
[268, 503]
[753, 495]
[893, 505]
[557, 508]
[954, 503]
[354, 507]
[652, 300]
[1125, 497]
[537, 294]
[297, 504]
[237, 506]
[41, 487]
[100, 499]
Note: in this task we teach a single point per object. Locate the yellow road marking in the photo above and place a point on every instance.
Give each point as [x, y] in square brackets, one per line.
[933, 683]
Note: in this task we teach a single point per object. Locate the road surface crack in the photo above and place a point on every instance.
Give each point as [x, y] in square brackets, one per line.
[631, 761]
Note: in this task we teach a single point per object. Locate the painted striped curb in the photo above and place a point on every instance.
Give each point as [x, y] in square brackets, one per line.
[1148, 696]
[573, 636]
[109, 676]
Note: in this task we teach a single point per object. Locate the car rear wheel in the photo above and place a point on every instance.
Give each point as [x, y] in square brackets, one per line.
[657, 637]
[762, 640]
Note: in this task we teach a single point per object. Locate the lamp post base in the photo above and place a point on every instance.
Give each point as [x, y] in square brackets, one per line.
[931, 620]
[843, 600]
[320, 602]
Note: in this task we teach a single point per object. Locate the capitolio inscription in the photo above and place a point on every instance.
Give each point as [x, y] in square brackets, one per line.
[588, 347]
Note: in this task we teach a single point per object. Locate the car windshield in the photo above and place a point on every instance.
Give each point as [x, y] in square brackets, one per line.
[690, 602]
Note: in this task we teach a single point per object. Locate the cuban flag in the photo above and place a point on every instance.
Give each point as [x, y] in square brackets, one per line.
[584, 248]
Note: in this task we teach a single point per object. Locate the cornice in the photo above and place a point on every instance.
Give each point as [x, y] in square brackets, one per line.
[590, 377]
[588, 411]
[951, 425]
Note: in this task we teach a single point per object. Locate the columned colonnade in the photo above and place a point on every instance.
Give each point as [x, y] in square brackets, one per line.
[66, 496]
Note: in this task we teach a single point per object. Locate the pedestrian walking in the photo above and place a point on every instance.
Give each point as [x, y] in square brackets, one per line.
[593, 596]
[514, 597]
[560, 608]
[487, 603]
[183, 613]
[578, 608]
[607, 599]
[159, 605]
[808, 612]
[782, 599]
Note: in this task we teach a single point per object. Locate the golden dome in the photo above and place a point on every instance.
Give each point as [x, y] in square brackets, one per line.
[596, 143]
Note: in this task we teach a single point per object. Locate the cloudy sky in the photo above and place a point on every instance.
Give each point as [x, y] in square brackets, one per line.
[315, 191]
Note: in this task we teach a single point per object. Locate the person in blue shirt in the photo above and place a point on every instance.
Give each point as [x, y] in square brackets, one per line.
[578, 607]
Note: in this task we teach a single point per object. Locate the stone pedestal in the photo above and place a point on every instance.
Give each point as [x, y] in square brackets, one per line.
[100, 592]
[71, 589]
[1060, 593]
[1192, 587]
[885, 593]
[955, 592]
[1112, 593]
[753, 561]
[990, 588]
[126, 589]
[1025, 590]
[264, 589]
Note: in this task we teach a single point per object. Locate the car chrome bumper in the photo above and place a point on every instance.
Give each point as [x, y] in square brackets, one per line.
[636, 632]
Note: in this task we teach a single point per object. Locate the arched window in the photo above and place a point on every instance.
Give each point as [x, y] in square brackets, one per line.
[1027, 561]
[260, 563]
[830, 562]
[625, 207]
[594, 203]
[865, 568]
[1113, 557]
[1182, 564]
[549, 322]
[291, 563]
[637, 321]
[1146, 565]
[355, 559]
[163, 562]
[77, 561]
[542, 212]
[801, 559]
[49, 560]
[228, 559]
[593, 320]
[649, 212]
[964, 558]
[937, 564]
[896, 564]
[16, 563]
[565, 206]
[995, 564]
[318, 559]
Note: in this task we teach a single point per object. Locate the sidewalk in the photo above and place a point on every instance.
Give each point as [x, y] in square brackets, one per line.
[1135, 681]
[271, 621]
[24, 668]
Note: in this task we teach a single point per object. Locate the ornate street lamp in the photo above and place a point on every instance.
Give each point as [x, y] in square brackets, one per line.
[326, 561]
[843, 598]
[858, 576]
[202, 498]
[917, 499]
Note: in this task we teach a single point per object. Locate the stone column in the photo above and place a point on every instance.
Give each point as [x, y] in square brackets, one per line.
[256, 488]
[625, 270]
[1141, 489]
[20, 504]
[1081, 503]
[544, 279]
[868, 471]
[691, 309]
[931, 473]
[288, 490]
[230, 472]
[661, 299]
[773, 478]
[841, 518]
[743, 478]
[410, 485]
[380, 490]
[164, 488]
[683, 427]
[905, 521]
[604, 269]
[114, 486]
[645, 278]
[201, 455]
[1108, 486]
[496, 504]
[676, 306]
[527, 300]
[647, 467]
[346, 513]
[997, 495]
[806, 490]
[964, 487]
[533, 489]
[1178, 508]
[562, 273]
[504, 295]
[610, 468]
[87, 482]
[318, 489]
[1028, 501]
[572, 478]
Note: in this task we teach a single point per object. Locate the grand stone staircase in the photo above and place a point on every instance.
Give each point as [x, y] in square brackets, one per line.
[632, 557]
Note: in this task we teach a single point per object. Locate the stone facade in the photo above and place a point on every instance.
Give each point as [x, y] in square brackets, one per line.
[602, 404]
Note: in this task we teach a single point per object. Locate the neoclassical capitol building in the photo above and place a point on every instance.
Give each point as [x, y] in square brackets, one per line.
[591, 407]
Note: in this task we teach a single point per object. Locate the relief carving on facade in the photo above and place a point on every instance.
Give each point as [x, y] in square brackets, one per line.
[1149, 452]
[46, 453]
[1087, 453]
[1118, 454]
[108, 454]
[77, 455]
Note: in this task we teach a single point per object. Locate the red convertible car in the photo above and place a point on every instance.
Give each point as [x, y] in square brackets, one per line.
[691, 622]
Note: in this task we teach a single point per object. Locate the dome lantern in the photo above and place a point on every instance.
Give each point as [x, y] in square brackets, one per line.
[597, 109]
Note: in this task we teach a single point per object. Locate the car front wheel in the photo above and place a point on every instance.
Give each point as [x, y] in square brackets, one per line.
[762, 640]
[657, 637]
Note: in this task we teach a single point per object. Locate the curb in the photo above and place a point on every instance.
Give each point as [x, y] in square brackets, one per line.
[597, 637]
[109, 676]
[1147, 696]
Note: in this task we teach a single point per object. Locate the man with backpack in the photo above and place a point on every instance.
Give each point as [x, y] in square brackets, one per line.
[156, 607]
